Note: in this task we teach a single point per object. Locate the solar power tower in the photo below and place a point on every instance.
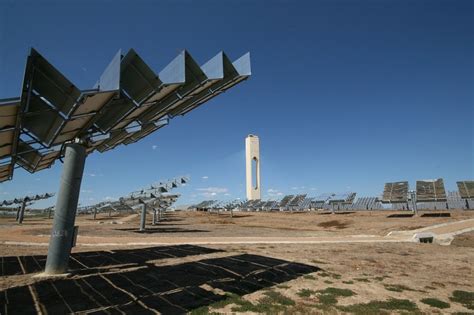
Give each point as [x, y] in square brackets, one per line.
[53, 119]
[22, 202]
[396, 192]
[466, 190]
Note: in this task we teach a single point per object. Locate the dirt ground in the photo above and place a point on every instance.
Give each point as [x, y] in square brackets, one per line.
[243, 224]
[361, 278]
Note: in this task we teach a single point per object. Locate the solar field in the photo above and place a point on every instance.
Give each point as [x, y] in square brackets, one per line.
[259, 262]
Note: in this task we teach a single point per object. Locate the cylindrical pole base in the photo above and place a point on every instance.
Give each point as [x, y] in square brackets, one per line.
[18, 213]
[143, 218]
[22, 212]
[60, 242]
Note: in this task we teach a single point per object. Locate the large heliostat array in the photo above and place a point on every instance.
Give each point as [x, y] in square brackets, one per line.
[52, 119]
[128, 102]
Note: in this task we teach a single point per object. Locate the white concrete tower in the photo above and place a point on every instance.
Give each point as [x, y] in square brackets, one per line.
[252, 164]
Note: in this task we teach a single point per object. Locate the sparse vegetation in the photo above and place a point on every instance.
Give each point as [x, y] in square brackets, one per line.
[276, 297]
[337, 292]
[336, 276]
[328, 282]
[272, 303]
[381, 278]
[348, 282]
[375, 307]
[435, 303]
[466, 298]
[309, 277]
[362, 279]
[305, 292]
[328, 296]
[327, 300]
[397, 287]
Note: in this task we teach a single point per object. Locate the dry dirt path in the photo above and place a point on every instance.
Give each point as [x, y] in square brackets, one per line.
[444, 232]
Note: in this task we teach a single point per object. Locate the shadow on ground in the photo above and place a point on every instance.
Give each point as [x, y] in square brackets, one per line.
[401, 215]
[146, 289]
[163, 230]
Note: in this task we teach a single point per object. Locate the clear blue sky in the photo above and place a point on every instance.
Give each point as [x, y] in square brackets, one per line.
[344, 95]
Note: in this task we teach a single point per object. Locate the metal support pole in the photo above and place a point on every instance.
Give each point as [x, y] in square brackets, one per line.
[413, 202]
[95, 212]
[49, 212]
[22, 211]
[18, 213]
[62, 233]
[143, 218]
[154, 216]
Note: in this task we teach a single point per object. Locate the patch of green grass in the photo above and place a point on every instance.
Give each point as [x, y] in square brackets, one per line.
[328, 282]
[305, 292]
[310, 277]
[277, 297]
[246, 306]
[273, 302]
[348, 282]
[375, 307]
[324, 274]
[335, 276]
[327, 299]
[397, 287]
[337, 291]
[465, 298]
[283, 286]
[380, 278]
[328, 296]
[435, 303]
[362, 279]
